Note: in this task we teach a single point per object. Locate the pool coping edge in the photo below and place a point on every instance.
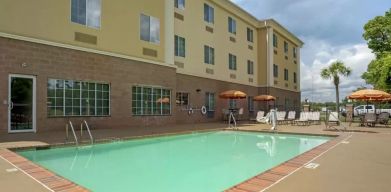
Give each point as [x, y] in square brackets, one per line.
[55, 182]
[274, 175]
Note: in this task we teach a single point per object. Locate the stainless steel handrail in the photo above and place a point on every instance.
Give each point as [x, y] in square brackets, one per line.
[73, 131]
[232, 118]
[88, 130]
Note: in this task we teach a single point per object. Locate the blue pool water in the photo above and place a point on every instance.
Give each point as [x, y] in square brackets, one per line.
[207, 162]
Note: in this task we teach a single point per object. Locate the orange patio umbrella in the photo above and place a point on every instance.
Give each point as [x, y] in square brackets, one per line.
[264, 98]
[232, 94]
[163, 100]
[370, 95]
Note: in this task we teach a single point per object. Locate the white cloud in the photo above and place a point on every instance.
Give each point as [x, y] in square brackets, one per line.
[319, 55]
[330, 33]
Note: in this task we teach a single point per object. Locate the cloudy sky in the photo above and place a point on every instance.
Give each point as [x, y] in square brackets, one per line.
[332, 30]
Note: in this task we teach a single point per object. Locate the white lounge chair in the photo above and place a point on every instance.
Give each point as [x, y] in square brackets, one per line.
[265, 119]
[260, 114]
[281, 117]
[303, 120]
[314, 117]
[333, 118]
[291, 116]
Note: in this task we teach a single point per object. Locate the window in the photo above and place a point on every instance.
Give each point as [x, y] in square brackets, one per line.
[250, 67]
[232, 62]
[287, 104]
[275, 70]
[210, 101]
[209, 55]
[208, 13]
[180, 46]
[285, 47]
[182, 98]
[149, 29]
[250, 35]
[286, 75]
[275, 41]
[250, 102]
[232, 103]
[86, 12]
[151, 101]
[77, 98]
[180, 4]
[231, 25]
[294, 77]
[294, 52]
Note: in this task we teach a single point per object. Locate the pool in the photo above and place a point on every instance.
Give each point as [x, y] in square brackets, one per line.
[211, 161]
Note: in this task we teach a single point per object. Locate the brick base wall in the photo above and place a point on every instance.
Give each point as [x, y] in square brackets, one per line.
[44, 62]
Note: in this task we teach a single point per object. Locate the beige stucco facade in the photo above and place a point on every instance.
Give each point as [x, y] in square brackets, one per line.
[119, 32]
[38, 38]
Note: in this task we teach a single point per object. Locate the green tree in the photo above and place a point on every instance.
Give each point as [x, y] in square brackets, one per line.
[378, 34]
[333, 72]
[379, 73]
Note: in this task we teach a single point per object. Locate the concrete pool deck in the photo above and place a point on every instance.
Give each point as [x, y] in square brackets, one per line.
[363, 163]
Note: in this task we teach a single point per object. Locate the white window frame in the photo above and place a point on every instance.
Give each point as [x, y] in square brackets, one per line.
[180, 51]
[180, 4]
[86, 12]
[151, 20]
[250, 35]
[232, 62]
[209, 13]
[250, 67]
[209, 57]
[232, 25]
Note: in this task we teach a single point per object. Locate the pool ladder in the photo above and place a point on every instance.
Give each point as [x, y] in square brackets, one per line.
[83, 124]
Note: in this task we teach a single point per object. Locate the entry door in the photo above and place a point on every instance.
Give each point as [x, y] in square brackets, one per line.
[21, 103]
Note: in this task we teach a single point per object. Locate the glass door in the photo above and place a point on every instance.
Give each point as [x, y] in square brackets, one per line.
[21, 102]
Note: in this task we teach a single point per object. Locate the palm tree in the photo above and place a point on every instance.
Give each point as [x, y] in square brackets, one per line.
[333, 72]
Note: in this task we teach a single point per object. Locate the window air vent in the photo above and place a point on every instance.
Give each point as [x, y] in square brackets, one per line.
[179, 16]
[149, 52]
[86, 38]
[209, 29]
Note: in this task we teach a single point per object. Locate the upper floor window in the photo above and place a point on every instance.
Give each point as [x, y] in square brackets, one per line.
[209, 55]
[231, 25]
[275, 41]
[286, 75]
[180, 46]
[294, 77]
[250, 35]
[275, 70]
[285, 47]
[232, 62]
[208, 13]
[250, 67]
[180, 4]
[294, 52]
[86, 12]
[149, 29]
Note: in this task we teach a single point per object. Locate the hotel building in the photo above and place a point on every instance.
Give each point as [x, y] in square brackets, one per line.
[127, 63]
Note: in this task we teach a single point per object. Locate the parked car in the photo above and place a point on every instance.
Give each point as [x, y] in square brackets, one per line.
[362, 109]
